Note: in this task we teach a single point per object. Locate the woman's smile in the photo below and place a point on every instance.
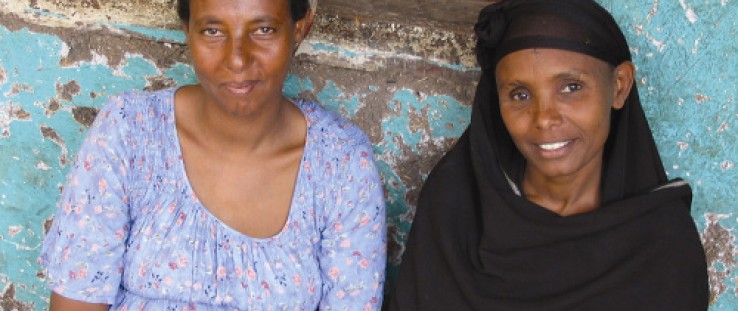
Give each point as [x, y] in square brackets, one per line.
[556, 106]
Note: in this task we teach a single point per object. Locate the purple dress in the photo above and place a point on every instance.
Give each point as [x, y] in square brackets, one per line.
[130, 231]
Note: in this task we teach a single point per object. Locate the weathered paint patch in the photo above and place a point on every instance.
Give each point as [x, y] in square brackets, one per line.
[411, 93]
[686, 62]
[44, 113]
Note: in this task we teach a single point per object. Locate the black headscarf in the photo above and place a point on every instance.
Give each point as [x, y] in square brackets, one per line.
[478, 244]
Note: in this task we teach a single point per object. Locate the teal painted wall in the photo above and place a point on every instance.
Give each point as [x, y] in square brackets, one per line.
[686, 53]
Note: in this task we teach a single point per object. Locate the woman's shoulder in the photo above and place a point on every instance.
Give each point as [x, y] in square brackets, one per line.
[331, 128]
[137, 106]
[139, 99]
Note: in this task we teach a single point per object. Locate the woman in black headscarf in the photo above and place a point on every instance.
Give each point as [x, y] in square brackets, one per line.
[555, 197]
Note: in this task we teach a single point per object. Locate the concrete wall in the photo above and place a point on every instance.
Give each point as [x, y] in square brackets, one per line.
[406, 77]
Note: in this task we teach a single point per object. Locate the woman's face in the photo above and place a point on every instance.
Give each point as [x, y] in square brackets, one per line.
[241, 50]
[556, 105]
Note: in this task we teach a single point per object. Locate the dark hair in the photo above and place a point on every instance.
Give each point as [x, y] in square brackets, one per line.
[298, 9]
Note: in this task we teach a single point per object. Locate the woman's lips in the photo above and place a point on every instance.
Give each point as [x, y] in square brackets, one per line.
[554, 145]
[240, 88]
[554, 149]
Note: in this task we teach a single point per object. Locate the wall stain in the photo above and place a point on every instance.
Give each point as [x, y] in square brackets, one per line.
[52, 107]
[9, 302]
[67, 91]
[720, 251]
[11, 112]
[16, 88]
[3, 74]
[93, 44]
[158, 83]
[84, 115]
[50, 134]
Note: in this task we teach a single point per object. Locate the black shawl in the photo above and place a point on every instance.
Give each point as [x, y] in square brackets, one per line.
[477, 244]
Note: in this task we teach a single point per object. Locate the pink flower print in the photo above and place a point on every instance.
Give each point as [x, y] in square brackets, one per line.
[197, 286]
[311, 287]
[142, 271]
[181, 218]
[65, 254]
[173, 265]
[87, 164]
[98, 209]
[367, 307]
[120, 234]
[340, 294]
[251, 274]
[346, 243]
[349, 262]
[168, 281]
[222, 271]
[139, 117]
[364, 263]
[72, 275]
[364, 163]
[265, 285]
[364, 220]
[239, 272]
[337, 226]
[333, 273]
[376, 227]
[95, 247]
[297, 279]
[68, 208]
[102, 185]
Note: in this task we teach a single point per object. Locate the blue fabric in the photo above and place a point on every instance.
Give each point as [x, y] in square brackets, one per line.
[131, 232]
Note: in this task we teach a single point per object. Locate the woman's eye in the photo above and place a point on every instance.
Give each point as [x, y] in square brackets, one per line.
[264, 30]
[571, 87]
[517, 95]
[211, 32]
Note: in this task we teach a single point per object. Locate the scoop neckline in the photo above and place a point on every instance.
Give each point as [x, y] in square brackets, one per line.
[192, 195]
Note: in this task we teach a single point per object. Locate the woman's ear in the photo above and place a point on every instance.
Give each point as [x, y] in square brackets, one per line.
[302, 28]
[624, 78]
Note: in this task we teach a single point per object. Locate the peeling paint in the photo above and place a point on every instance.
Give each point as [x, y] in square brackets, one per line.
[9, 302]
[407, 80]
[84, 115]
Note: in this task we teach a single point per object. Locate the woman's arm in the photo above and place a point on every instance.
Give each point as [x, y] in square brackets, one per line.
[61, 303]
[83, 250]
[353, 245]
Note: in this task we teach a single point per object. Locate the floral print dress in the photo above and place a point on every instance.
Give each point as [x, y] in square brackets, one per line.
[130, 232]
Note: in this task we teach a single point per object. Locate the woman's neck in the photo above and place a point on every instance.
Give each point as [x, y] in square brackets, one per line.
[259, 132]
[564, 195]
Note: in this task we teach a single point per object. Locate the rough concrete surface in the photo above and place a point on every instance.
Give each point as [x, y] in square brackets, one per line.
[404, 71]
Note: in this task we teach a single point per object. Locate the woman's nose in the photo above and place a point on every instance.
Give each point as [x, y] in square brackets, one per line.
[546, 114]
[238, 55]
